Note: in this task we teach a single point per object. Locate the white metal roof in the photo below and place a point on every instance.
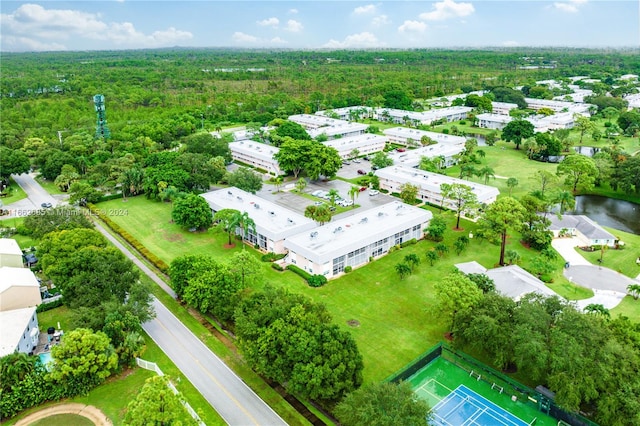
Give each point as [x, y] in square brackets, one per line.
[255, 149]
[309, 121]
[342, 128]
[17, 277]
[324, 243]
[431, 181]
[272, 220]
[14, 324]
[352, 142]
[9, 246]
[412, 157]
[416, 134]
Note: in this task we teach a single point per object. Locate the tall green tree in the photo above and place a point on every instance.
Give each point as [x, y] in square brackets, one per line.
[383, 404]
[245, 179]
[13, 161]
[228, 219]
[192, 211]
[583, 125]
[580, 172]
[502, 215]
[408, 193]
[156, 404]
[517, 130]
[462, 197]
[320, 214]
[456, 292]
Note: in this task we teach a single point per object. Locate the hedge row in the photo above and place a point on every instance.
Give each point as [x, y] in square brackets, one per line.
[48, 306]
[155, 260]
[316, 280]
[277, 267]
[272, 257]
[304, 274]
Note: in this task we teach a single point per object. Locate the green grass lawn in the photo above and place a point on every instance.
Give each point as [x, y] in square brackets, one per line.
[48, 185]
[14, 193]
[629, 307]
[623, 261]
[398, 319]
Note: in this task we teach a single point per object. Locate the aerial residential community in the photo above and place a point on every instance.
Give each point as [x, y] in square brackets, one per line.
[300, 225]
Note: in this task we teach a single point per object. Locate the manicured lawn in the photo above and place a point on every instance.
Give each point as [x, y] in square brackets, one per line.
[64, 420]
[398, 319]
[629, 307]
[48, 185]
[23, 241]
[623, 261]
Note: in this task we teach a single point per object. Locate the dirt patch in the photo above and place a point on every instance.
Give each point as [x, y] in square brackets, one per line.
[89, 411]
[228, 246]
[174, 238]
[353, 323]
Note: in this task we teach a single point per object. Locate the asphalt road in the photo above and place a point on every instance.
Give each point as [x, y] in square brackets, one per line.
[236, 403]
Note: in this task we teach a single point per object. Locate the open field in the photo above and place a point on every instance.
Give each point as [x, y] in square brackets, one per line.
[397, 319]
[14, 193]
[64, 420]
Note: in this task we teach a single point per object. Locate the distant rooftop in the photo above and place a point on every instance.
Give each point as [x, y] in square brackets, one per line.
[416, 134]
[586, 226]
[341, 128]
[309, 121]
[351, 233]
[355, 141]
[255, 149]
[431, 181]
[9, 246]
[272, 220]
[412, 157]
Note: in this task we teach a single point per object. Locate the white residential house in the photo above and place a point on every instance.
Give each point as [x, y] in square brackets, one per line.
[274, 223]
[20, 331]
[341, 130]
[503, 108]
[412, 157]
[393, 177]
[366, 144]
[493, 121]
[10, 253]
[256, 154]
[585, 229]
[354, 240]
[511, 281]
[412, 137]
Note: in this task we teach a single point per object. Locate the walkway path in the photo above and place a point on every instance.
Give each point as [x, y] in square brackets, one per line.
[89, 411]
[609, 287]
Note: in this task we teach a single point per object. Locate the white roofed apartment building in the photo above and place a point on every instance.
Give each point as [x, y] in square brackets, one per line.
[348, 113]
[426, 117]
[412, 137]
[19, 288]
[365, 144]
[341, 130]
[493, 121]
[310, 121]
[10, 253]
[412, 157]
[503, 108]
[20, 331]
[274, 223]
[393, 177]
[352, 241]
[559, 106]
[256, 154]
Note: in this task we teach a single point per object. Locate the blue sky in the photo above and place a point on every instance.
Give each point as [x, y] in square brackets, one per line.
[135, 24]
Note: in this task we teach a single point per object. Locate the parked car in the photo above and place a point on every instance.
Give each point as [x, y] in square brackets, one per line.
[346, 163]
[361, 172]
[364, 188]
[317, 192]
[374, 192]
[30, 259]
[356, 161]
[401, 150]
[46, 205]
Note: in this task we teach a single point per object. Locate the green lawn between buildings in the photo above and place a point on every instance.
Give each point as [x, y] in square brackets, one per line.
[623, 261]
[398, 319]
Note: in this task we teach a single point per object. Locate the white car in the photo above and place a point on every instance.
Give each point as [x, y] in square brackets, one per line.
[317, 192]
[374, 192]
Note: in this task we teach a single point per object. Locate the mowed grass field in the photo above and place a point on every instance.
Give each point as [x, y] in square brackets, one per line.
[393, 320]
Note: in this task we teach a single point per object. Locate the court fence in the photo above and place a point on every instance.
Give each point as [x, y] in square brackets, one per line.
[542, 401]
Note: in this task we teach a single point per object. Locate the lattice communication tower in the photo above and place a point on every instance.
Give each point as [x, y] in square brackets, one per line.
[102, 130]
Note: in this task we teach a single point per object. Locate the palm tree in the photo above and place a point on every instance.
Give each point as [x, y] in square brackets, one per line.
[277, 181]
[511, 183]
[301, 184]
[486, 172]
[634, 290]
[432, 256]
[14, 368]
[597, 309]
[412, 260]
[403, 270]
[333, 195]
[246, 224]
[566, 201]
[354, 192]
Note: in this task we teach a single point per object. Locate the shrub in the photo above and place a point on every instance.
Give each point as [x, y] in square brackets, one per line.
[48, 306]
[408, 243]
[348, 269]
[277, 267]
[317, 280]
[304, 274]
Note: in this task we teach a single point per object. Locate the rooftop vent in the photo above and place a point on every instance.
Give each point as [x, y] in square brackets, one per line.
[272, 213]
[239, 198]
[313, 234]
[364, 220]
[338, 229]
[289, 220]
[257, 206]
[380, 214]
[229, 192]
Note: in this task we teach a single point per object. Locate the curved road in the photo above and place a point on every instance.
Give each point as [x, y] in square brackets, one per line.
[236, 403]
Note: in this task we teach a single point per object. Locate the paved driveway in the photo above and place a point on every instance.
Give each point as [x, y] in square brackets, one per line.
[565, 246]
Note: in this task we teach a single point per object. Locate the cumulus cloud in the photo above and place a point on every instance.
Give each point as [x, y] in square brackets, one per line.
[32, 27]
[294, 26]
[363, 10]
[269, 22]
[293, 11]
[360, 40]
[448, 9]
[278, 40]
[380, 21]
[570, 6]
[412, 26]
[240, 37]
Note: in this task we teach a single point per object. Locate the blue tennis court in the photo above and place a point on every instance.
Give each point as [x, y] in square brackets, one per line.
[464, 407]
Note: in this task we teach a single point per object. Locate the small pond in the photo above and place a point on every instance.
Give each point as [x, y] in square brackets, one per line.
[617, 214]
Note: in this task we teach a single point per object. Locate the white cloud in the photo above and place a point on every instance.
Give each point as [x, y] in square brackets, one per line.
[362, 10]
[360, 40]
[32, 27]
[269, 22]
[293, 11]
[293, 26]
[447, 9]
[240, 37]
[278, 40]
[380, 21]
[412, 26]
[510, 43]
[570, 6]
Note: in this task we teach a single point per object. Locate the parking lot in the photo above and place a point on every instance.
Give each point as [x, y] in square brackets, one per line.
[290, 199]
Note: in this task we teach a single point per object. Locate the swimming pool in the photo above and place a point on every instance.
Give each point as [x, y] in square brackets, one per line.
[46, 359]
